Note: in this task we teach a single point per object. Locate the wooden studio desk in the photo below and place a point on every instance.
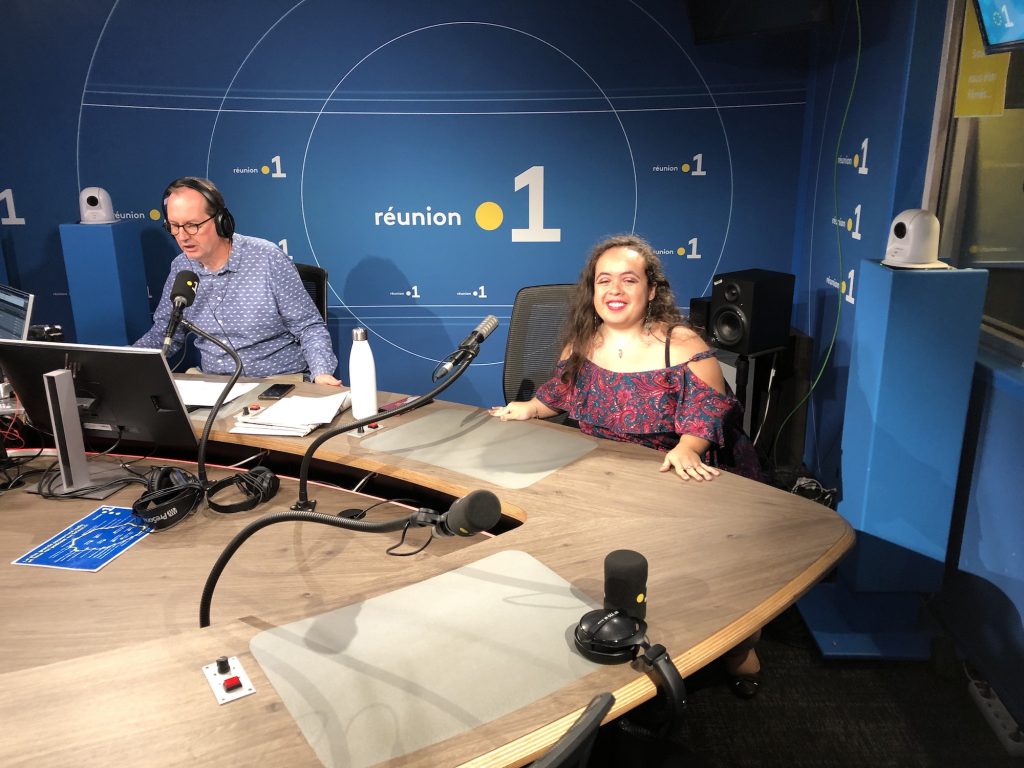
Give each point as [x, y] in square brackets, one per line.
[104, 668]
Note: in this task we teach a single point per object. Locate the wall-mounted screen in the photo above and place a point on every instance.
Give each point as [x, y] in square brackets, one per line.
[1002, 24]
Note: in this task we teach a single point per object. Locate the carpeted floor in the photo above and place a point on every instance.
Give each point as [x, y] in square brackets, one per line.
[817, 713]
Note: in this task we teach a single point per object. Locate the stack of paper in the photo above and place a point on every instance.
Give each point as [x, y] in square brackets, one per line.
[294, 416]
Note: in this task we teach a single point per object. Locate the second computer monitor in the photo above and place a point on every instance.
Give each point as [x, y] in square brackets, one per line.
[15, 312]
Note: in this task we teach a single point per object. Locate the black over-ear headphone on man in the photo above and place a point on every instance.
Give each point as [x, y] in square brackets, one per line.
[223, 221]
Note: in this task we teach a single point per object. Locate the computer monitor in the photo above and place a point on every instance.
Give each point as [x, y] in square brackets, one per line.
[15, 312]
[116, 393]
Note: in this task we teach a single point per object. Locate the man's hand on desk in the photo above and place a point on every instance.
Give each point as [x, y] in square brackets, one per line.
[326, 378]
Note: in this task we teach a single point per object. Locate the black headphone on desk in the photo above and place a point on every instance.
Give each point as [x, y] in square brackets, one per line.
[612, 636]
[609, 636]
[171, 495]
[223, 221]
[258, 485]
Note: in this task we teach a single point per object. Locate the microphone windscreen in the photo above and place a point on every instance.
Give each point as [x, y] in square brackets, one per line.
[625, 582]
[476, 511]
[184, 287]
[487, 326]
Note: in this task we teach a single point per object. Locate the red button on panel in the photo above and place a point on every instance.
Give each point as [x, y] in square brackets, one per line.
[232, 683]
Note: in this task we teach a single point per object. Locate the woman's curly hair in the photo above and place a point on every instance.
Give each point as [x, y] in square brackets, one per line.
[583, 322]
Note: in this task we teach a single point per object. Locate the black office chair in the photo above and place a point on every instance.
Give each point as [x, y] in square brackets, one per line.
[572, 750]
[534, 338]
[314, 279]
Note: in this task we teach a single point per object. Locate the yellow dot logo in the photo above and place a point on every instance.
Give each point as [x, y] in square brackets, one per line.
[973, 249]
[265, 170]
[680, 251]
[489, 216]
[856, 160]
[849, 225]
[640, 597]
[842, 286]
[154, 214]
[686, 167]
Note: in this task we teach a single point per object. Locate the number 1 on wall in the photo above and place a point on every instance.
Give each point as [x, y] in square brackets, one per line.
[7, 196]
[535, 232]
[863, 169]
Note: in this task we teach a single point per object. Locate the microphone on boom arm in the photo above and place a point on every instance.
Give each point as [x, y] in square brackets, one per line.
[183, 293]
[468, 348]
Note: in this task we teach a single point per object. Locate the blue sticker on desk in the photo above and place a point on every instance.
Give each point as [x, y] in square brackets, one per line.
[90, 543]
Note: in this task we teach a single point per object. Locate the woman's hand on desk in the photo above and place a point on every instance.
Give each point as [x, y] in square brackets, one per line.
[522, 411]
[686, 460]
[326, 378]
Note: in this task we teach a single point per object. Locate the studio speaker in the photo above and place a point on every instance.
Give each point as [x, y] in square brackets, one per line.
[700, 309]
[95, 206]
[750, 310]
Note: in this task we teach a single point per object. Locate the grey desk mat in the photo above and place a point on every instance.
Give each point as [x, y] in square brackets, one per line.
[512, 454]
[410, 668]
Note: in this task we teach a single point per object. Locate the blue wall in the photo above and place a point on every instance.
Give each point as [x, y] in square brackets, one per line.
[331, 125]
[865, 150]
[317, 117]
[881, 88]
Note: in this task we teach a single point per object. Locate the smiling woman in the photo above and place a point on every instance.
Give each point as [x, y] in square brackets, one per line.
[633, 371]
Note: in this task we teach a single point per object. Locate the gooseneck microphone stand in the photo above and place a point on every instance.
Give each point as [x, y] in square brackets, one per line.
[201, 459]
[303, 509]
[421, 517]
[304, 503]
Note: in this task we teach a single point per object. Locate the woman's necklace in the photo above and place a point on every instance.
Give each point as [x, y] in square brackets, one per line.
[627, 344]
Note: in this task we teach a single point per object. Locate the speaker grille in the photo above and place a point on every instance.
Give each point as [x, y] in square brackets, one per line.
[729, 326]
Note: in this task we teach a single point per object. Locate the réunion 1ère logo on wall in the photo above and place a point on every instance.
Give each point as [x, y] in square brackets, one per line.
[488, 215]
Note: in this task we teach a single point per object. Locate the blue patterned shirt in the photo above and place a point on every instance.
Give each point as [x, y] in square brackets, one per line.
[257, 303]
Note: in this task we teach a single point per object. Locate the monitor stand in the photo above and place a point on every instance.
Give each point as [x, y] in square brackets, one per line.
[77, 477]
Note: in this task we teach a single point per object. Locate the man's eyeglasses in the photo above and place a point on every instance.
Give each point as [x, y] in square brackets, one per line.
[191, 228]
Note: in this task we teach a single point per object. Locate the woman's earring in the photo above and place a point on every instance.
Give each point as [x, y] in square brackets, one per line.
[647, 320]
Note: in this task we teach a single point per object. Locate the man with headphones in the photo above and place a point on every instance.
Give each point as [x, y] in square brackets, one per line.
[249, 294]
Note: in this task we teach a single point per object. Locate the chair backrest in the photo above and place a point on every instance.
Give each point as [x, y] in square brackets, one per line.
[572, 750]
[314, 279]
[534, 338]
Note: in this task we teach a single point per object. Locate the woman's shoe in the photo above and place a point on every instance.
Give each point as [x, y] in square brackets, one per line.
[746, 685]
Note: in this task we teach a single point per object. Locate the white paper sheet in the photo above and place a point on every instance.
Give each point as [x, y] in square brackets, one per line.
[203, 394]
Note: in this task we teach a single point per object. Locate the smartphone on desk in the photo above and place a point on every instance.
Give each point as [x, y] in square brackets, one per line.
[275, 391]
[388, 407]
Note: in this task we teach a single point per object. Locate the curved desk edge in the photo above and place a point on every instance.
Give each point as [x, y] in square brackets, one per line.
[528, 748]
